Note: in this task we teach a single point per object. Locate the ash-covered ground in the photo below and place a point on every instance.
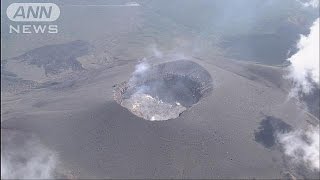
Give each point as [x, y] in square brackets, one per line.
[200, 89]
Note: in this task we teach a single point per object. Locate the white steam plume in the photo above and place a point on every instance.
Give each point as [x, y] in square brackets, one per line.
[139, 72]
[304, 68]
[310, 3]
[156, 52]
[141, 67]
[26, 158]
[302, 146]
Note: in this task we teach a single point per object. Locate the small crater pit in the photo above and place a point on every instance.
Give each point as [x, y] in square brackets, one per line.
[163, 91]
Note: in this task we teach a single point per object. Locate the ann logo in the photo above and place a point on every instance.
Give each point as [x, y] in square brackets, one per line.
[30, 12]
[33, 12]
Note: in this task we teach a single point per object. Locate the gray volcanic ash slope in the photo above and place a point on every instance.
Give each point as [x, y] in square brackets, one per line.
[214, 138]
[245, 127]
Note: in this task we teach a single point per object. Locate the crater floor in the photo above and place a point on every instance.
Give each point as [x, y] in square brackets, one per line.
[165, 90]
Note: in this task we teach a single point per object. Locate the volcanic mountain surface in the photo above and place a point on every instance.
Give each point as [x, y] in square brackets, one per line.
[218, 135]
[68, 100]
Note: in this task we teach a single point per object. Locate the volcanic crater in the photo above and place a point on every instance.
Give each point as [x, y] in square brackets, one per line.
[164, 91]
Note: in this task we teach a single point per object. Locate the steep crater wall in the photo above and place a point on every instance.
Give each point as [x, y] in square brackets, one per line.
[164, 91]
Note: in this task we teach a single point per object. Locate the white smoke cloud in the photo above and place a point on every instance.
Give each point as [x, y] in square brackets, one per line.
[26, 158]
[304, 68]
[156, 52]
[310, 3]
[141, 67]
[132, 4]
[302, 146]
[139, 72]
